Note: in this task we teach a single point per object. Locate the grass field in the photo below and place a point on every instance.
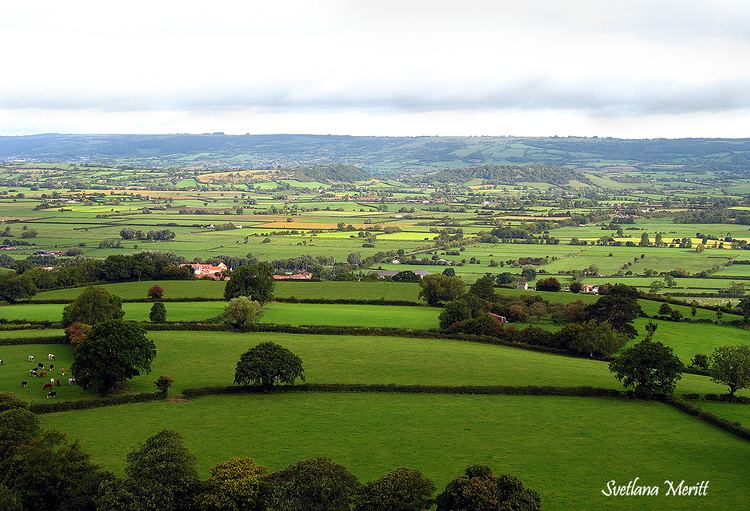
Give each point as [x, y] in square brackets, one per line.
[215, 289]
[418, 318]
[567, 448]
[197, 359]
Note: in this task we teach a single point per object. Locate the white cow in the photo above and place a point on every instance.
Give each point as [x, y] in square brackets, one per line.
[50, 357]
[71, 381]
[31, 358]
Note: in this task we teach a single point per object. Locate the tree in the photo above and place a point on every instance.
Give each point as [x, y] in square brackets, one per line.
[656, 286]
[156, 292]
[17, 287]
[317, 484]
[591, 338]
[232, 486]
[644, 240]
[617, 308]
[575, 286]
[650, 330]
[449, 272]
[406, 276]
[49, 472]
[438, 288]
[548, 284]
[94, 305]
[160, 475]
[355, 259]
[484, 288]
[719, 314]
[17, 427]
[665, 310]
[163, 383]
[651, 368]
[9, 401]
[454, 312]
[242, 312]
[730, 366]
[538, 310]
[77, 333]
[528, 273]
[700, 361]
[114, 352]
[252, 280]
[266, 364]
[481, 490]
[158, 313]
[743, 306]
[401, 489]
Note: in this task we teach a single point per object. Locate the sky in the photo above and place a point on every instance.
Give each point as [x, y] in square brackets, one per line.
[630, 68]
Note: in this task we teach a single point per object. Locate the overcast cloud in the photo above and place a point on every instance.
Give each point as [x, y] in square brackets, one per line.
[411, 67]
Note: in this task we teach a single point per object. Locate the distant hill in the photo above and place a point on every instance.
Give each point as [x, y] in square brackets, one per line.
[377, 154]
[500, 174]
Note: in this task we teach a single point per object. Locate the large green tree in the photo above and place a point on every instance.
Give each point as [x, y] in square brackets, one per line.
[268, 363]
[649, 367]
[232, 486]
[242, 312]
[438, 288]
[401, 489]
[316, 484]
[93, 305]
[484, 288]
[618, 309]
[113, 352]
[252, 280]
[730, 366]
[591, 338]
[481, 490]
[16, 287]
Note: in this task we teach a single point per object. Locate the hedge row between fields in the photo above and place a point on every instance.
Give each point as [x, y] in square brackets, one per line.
[84, 404]
[732, 427]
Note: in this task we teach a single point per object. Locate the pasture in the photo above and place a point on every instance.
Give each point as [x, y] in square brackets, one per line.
[575, 439]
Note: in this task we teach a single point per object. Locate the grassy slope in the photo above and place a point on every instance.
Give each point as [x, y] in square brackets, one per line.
[567, 448]
[208, 358]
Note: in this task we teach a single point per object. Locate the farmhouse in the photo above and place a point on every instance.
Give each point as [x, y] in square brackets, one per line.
[209, 271]
[590, 288]
[384, 274]
[522, 284]
[303, 275]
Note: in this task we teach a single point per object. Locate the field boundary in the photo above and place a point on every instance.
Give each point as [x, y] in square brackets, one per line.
[84, 404]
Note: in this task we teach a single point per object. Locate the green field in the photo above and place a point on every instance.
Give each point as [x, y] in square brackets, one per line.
[567, 448]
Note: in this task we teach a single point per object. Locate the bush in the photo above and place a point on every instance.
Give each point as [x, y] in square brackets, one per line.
[94, 305]
[252, 280]
[241, 312]
[163, 383]
[266, 364]
[156, 292]
[158, 313]
[548, 284]
[316, 484]
[401, 489]
[481, 490]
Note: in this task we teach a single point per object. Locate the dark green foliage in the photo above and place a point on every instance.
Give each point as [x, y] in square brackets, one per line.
[113, 352]
[401, 489]
[649, 367]
[268, 363]
[454, 312]
[85, 404]
[590, 338]
[233, 486]
[17, 427]
[93, 305]
[484, 288]
[9, 401]
[158, 313]
[163, 383]
[252, 280]
[406, 276]
[484, 325]
[730, 366]
[317, 484]
[619, 309]
[437, 288]
[16, 287]
[480, 490]
[549, 284]
[48, 472]
[575, 287]
[700, 361]
[449, 272]
[528, 273]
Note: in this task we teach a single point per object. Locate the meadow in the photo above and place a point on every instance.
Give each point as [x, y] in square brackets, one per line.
[568, 448]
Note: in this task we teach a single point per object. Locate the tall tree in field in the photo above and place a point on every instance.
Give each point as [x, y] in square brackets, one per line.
[484, 288]
[649, 367]
[16, 287]
[113, 352]
[252, 280]
[94, 305]
[730, 366]
[617, 308]
[438, 288]
[267, 364]
[158, 313]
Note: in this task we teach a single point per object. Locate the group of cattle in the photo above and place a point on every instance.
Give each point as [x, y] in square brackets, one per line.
[40, 371]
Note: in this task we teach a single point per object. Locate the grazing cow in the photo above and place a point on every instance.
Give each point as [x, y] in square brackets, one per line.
[1, 362]
[33, 373]
[57, 382]
[52, 367]
[40, 365]
[24, 384]
[62, 371]
[51, 395]
[50, 357]
[31, 358]
[52, 381]
[47, 386]
[71, 381]
[42, 373]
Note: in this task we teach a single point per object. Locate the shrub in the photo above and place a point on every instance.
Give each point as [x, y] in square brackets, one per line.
[156, 292]
[158, 313]
[163, 383]
[481, 490]
[266, 364]
[401, 489]
[242, 312]
[232, 486]
[549, 284]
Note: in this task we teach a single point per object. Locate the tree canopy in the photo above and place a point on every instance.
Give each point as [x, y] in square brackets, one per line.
[266, 364]
[252, 280]
[93, 305]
